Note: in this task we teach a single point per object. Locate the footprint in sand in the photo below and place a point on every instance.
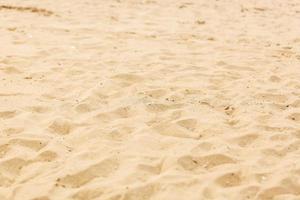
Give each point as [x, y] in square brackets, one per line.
[10, 70]
[127, 79]
[35, 145]
[246, 140]
[46, 156]
[103, 168]
[61, 127]
[119, 113]
[272, 192]
[155, 93]
[87, 194]
[189, 124]
[249, 192]
[210, 161]
[274, 98]
[141, 192]
[8, 114]
[39, 109]
[229, 180]
[13, 166]
[11, 131]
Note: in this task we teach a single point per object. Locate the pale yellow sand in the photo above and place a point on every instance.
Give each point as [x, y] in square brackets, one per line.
[149, 100]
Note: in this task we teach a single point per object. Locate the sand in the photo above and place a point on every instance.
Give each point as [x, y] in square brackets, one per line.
[149, 100]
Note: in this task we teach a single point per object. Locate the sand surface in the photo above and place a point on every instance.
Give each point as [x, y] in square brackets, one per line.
[149, 100]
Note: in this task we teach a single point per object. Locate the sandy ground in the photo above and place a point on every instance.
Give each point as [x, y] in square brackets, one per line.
[149, 100]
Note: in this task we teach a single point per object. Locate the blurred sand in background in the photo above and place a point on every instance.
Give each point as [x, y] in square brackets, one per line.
[149, 100]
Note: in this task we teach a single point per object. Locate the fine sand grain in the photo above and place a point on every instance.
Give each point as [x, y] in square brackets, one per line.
[149, 100]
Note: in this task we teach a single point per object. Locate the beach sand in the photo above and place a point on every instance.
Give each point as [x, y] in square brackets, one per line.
[149, 100]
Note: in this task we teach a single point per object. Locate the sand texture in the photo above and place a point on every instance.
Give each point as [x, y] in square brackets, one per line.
[149, 100]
